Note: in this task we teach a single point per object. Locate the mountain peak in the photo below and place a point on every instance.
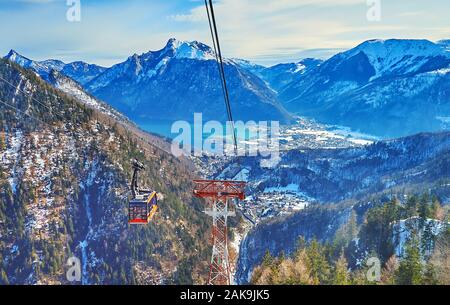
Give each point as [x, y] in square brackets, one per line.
[172, 42]
[399, 47]
[175, 43]
[14, 56]
[11, 53]
[400, 56]
[189, 49]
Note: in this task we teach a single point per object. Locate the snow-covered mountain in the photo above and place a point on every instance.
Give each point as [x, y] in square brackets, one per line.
[82, 72]
[384, 87]
[280, 75]
[387, 88]
[391, 58]
[79, 71]
[180, 79]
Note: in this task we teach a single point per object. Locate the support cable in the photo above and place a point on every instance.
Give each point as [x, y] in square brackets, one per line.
[24, 113]
[220, 64]
[22, 91]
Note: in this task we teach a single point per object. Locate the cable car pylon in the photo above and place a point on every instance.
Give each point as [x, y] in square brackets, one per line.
[220, 194]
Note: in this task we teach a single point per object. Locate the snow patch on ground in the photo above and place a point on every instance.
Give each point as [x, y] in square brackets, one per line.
[10, 157]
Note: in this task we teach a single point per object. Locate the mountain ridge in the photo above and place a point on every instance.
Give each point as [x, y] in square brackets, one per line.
[130, 85]
[387, 88]
[180, 73]
[78, 70]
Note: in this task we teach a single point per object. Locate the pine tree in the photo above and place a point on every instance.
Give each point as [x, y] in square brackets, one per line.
[267, 259]
[437, 210]
[427, 240]
[274, 278]
[424, 209]
[411, 206]
[341, 276]
[302, 275]
[317, 263]
[346, 233]
[410, 269]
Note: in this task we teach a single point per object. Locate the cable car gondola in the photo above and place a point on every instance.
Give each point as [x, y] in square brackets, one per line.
[143, 206]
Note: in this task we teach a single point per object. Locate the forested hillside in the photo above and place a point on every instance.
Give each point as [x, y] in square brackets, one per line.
[411, 239]
[64, 177]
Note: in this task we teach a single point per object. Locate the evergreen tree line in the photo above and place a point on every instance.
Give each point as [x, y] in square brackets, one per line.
[315, 263]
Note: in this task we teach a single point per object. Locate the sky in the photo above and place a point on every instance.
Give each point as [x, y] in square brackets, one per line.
[263, 31]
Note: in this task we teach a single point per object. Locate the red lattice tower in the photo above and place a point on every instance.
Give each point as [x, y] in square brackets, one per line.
[219, 196]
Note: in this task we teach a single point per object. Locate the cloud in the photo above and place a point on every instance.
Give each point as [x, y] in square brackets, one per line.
[258, 7]
[193, 17]
[260, 29]
[265, 31]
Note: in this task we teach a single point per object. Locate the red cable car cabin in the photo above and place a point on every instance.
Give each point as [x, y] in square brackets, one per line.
[142, 208]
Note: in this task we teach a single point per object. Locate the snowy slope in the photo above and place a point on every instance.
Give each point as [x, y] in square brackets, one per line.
[72, 88]
[399, 57]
